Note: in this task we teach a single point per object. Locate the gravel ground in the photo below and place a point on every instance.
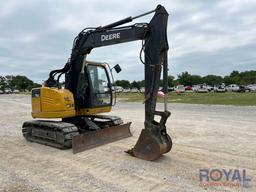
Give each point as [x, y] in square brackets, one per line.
[204, 136]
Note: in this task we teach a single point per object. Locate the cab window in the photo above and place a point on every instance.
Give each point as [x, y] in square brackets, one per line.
[100, 85]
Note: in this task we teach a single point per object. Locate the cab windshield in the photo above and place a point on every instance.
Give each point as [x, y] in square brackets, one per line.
[100, 85]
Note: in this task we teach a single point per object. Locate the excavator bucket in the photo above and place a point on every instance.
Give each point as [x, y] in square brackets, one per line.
[149, 147]
[96, 138]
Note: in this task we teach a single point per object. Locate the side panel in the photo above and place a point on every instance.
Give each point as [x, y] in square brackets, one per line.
[52, 103]
[93, 111]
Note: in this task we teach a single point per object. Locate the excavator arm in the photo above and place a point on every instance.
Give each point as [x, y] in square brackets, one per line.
[154, 140]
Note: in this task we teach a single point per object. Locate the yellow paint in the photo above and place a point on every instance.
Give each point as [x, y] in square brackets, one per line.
[53, 103]
[92, 111]
[36, 105]
[59, 103]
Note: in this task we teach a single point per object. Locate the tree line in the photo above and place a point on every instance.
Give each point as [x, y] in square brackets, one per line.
[22, 83]
[19, 82]
[187, 79]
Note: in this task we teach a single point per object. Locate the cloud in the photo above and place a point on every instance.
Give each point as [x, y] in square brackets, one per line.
[204, 36]
[219, 63]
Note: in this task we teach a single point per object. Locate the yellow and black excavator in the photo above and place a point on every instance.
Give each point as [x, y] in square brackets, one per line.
[88, 92]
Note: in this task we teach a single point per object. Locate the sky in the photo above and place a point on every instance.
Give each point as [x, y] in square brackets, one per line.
[205, 36]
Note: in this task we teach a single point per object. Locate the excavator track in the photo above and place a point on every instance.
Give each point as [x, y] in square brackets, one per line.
[51, 133]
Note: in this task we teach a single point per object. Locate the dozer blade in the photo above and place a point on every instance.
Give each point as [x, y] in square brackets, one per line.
[93, 139]
[149, 147]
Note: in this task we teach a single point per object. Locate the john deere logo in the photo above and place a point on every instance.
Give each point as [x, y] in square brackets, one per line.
[110, 36]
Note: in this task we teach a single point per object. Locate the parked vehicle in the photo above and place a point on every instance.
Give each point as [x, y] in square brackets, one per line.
[1, 92]
[195, 87]
[170, 89]
[16, 91]
[127, 90]
[232, 87]
[188, 88]
[118, 89]
[179, 89]
[142, 89]
[134, 90]
[241, 89]
[219, 89]
[251, 88]
[7, 91]
[209, 88]
[201, 89]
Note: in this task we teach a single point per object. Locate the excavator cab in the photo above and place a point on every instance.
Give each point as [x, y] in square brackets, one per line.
[94, 86]
[58, 102]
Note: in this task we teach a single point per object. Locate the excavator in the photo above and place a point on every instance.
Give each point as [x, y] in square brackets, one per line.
[86, 94]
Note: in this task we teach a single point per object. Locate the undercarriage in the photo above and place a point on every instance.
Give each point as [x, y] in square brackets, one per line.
[80, 133]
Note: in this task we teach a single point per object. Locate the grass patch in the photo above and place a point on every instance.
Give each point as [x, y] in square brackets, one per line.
[228, 98]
